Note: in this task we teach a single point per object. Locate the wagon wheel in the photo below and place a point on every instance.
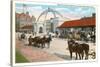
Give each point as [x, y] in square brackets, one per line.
[93, 55]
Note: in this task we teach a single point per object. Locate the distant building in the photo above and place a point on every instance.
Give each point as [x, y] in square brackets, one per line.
[27, 23]
[52, 24]
[24, 22]
[86, 24]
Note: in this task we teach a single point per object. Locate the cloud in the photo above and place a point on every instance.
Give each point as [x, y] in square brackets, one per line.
[35, 8]
[63, 9]
[88, 11]
[30, 8]
[19, 8]
[70, 12]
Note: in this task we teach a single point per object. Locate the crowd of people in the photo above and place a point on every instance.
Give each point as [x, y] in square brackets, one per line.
[80, 35]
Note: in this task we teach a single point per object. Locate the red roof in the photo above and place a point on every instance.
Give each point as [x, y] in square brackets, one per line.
[27, 27]
[84, 22]
[23, 15]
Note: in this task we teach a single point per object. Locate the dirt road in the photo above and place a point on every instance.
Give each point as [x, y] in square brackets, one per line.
[58, 51]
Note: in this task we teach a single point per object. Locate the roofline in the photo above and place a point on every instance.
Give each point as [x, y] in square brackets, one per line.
[78, 26]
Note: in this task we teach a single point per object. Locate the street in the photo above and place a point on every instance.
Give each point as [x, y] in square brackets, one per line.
[58, 50]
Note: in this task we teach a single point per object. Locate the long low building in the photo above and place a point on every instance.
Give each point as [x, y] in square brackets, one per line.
[86, 24]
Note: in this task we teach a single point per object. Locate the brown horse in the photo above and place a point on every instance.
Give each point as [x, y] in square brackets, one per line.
[86, 49]
[79, 49]
[39, 42]
[34, 41]
[47, 41]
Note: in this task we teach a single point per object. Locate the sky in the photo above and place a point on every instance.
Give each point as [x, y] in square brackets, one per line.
[68, 11]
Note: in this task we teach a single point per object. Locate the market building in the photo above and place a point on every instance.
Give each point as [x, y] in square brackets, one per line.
[86, 25]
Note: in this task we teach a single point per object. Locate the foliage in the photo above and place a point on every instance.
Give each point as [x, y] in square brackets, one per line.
[20, 58]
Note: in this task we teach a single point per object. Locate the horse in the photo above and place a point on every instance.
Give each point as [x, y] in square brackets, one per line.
[78, 49]
[33, 41]
[39, 42]
[47, 40]
[72, 47]
[86, 49]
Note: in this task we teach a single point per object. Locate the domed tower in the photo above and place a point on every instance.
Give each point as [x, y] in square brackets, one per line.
[49, 25]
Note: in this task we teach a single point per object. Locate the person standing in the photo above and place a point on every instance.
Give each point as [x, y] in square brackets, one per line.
[30, 41]
[50, 37]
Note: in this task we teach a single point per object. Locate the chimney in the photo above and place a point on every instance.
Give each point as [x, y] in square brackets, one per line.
[93, 15]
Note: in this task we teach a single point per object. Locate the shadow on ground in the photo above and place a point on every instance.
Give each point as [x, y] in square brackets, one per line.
[65, 57]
